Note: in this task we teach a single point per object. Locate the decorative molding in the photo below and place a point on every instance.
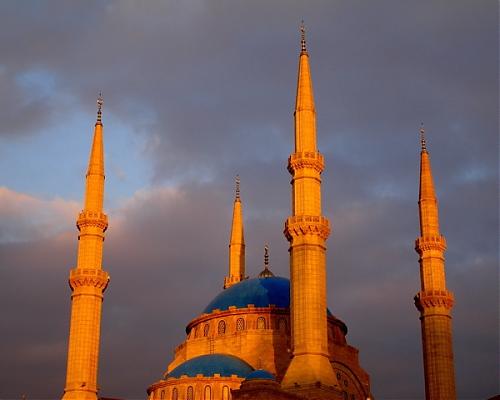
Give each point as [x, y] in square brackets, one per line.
[424, 243]
[307, 159]
[92, 218]
[426, 299]
[300, 225]
[79, 277]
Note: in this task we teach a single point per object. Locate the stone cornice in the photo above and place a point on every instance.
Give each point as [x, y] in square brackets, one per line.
[424, 243]
[92, 218]
[90, 277]
[427, 299]
[299, 225]
[307, 159]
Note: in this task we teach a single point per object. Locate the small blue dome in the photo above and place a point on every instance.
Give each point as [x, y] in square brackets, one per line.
[260, 374]
[210, 364]
[261, 292]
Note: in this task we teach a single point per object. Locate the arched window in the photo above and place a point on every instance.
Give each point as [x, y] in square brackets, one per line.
[162, 395]
[190, 393]
[240, 324]
[205, 330]
[282, 324]
[221, 329]
[261, 323]
[208, 393]
[175, 394]
[197, 332]
[225, 393]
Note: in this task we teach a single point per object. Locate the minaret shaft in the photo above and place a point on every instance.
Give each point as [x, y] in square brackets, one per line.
[434, 301]
[88, 282]
[307, 231]
[236, 244]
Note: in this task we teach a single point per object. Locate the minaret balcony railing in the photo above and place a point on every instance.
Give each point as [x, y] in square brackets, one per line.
[437, 242]
[434, 298]
[92, 218]
[88, 277]
[299, 225]
[306, 159]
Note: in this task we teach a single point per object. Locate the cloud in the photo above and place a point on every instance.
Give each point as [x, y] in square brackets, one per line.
[208, 88]
[26, 218]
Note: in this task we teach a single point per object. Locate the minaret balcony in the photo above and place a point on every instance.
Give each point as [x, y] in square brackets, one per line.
[423, 243]
[306, 159]
[300, 225]
[92, 218]
[426, 299]
[88, 277]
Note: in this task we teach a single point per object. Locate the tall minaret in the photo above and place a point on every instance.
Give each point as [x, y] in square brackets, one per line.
[307, 230]
[236, 243]
[434, 301]
[88, 281]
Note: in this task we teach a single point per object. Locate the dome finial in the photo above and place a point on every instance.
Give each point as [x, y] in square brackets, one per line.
[266, 273]
[303, 48]
[422, 137]
[237, 187]
[100, 102]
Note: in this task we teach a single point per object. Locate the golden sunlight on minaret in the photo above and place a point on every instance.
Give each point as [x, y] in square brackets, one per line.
[434, 301]
[236, 243]
[88, 281]
[307, 230]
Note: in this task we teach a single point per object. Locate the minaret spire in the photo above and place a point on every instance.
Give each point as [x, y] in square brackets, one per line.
[434, 301]
[88, 280]
[307, 230]
[303, 48]
[236, 242]
[100, 102]
[422, 138]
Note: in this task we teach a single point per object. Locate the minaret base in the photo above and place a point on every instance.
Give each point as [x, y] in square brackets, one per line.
[316, 392]
[80, 395]
[309, 369]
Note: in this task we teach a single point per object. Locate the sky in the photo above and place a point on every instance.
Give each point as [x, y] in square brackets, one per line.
[196, 92]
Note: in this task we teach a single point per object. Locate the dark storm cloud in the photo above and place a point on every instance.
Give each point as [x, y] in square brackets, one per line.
[210, 87]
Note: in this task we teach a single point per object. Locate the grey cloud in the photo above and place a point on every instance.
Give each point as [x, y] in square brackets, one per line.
[210, 87]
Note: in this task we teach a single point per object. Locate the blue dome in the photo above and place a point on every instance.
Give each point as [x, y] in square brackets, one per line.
[260, 374]
[261, 292]
[210, 364]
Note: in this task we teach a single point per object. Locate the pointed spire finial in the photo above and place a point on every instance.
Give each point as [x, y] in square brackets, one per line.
[100, 102]
[422, 137]
[266, 273]
[303, 48]
[237, 187]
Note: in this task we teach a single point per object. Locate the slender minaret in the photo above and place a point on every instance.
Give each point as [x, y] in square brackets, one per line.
[88, 281]
[307, 230]
[434, 301]
[236, 243]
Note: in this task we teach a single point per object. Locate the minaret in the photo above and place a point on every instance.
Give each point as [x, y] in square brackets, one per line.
[88, 280]
[236, 243]
[307, 230]
[434, 301]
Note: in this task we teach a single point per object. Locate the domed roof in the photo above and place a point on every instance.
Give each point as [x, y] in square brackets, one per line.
[260, 374]
[210, 364]
[261, 292]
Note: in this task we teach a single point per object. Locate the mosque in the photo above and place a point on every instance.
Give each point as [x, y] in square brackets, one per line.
[265, 337]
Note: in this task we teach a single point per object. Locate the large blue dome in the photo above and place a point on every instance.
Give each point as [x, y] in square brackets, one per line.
[210, 364]
[261, 292]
